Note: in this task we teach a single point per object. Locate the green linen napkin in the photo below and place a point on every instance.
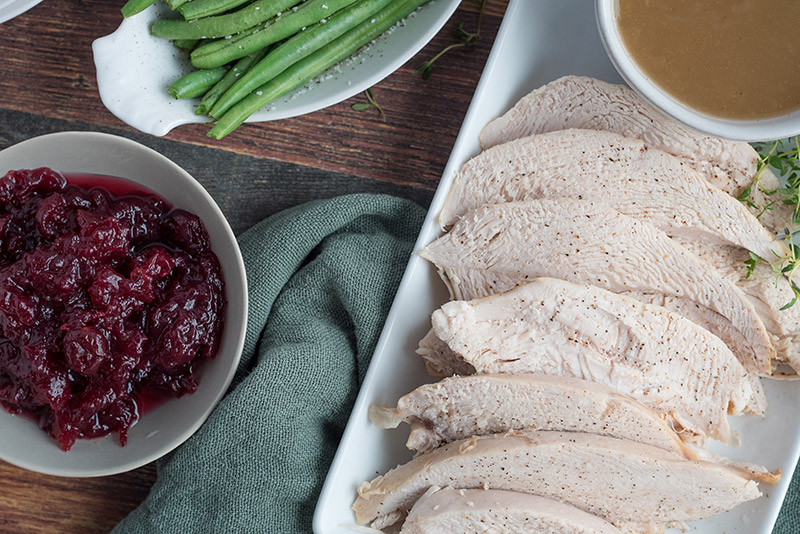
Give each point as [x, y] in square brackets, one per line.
[321, 279]
[789, 518]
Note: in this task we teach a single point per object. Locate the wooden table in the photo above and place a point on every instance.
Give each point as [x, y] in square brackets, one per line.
[47, 83]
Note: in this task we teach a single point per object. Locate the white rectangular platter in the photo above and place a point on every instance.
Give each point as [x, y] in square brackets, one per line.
[539, 41]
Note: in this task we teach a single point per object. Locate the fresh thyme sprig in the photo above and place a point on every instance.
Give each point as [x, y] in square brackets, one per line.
[787, 163]
[370, 103]
[466, 39]
[781, 267]
[784, 157]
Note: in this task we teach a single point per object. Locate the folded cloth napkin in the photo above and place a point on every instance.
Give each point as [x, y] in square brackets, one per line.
[789, 518]
[321, 279]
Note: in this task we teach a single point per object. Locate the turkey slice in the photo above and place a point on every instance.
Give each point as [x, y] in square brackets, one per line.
[581, 102]
[450, 511]
[554, 327]
[619, 480]
[622, 172]
[496, 247]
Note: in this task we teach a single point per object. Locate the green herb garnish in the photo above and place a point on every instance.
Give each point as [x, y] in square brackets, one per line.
[466, 39]
[751, 264]
[370, 103]
[787, 267]
[782, 267]
[784, 157]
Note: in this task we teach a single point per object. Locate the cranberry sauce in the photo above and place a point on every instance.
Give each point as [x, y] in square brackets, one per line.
[107, 295]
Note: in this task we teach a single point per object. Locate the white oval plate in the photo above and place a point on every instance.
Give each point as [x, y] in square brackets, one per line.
[11, 8]
[134, 70]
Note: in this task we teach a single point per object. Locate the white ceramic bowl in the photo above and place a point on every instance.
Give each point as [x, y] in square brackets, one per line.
[740, 130]
[11, 8]
[22, 442]
[134, 70]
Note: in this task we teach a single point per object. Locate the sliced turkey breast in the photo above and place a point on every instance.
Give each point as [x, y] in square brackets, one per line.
[496, 247]
[581, 102]
[440, 360]
[616, 479]
[559, 328]
[462, 406]
[450, 511]
[711, 321]
[767, 292]
[622, 172]
[630, 527]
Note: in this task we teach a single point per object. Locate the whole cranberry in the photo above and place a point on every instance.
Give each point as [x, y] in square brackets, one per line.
[86, 349]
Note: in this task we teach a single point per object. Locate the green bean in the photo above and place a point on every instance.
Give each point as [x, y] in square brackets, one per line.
[206, 8]
[310, 66]
[175, 4]
[186, 44]
[133, 7]
[242, 66]
[310, 12]
[196, 83]
[221, 25]
[216, 45]
[220, 44]
[190, 44]
[295, 49]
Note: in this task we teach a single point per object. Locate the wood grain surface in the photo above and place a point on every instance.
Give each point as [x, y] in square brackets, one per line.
[49, 70]
[47, 83]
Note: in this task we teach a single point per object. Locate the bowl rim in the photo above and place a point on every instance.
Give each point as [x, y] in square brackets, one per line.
[82, 137]
[757, 130]
[16, 8]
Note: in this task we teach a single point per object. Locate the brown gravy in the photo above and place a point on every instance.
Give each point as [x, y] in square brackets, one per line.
[734, 59]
